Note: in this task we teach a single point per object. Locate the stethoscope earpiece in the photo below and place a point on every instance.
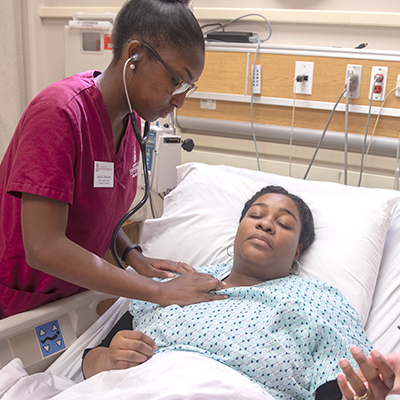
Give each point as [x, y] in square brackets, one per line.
[134, 58]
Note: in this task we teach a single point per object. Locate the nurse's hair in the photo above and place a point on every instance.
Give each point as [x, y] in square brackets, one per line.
[163, 24]
[307, 233]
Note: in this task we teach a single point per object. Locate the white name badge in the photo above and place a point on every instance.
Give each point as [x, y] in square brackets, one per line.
[103, 176]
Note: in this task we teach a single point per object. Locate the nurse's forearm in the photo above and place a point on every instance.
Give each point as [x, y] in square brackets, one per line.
[48, 249]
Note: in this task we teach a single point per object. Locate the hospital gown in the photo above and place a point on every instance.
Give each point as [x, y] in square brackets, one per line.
[286, 334]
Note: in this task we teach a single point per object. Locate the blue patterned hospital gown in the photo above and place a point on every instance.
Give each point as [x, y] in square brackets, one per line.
[287, 334]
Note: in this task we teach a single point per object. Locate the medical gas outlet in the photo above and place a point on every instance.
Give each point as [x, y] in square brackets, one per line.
[257, 79]
[377, 87]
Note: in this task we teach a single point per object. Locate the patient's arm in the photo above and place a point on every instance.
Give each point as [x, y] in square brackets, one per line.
[380, 373]
[127, 349]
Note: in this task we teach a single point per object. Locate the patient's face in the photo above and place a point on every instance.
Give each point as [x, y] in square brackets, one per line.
[267, 240]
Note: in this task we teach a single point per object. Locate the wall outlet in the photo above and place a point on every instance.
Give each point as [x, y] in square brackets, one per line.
[398, 86]
[377, 89]
[303, 75]
[354, 73]
[257, 79]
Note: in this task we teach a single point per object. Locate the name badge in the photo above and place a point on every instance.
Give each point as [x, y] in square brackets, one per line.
[103, 176]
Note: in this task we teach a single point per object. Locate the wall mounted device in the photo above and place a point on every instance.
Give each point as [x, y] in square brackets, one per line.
[87, 42]
[303, 76]
[353, 74]
[378, 83]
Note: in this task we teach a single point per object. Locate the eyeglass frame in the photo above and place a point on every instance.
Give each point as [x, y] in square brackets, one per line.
[191, 87]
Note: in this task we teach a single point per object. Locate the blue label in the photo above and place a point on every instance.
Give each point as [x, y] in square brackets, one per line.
[151, 144]
[50, 338]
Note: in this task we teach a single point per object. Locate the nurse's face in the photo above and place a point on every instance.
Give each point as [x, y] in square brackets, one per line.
[151, 90]
[267, 240]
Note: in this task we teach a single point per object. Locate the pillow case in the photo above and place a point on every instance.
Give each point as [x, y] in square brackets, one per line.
[201, 216]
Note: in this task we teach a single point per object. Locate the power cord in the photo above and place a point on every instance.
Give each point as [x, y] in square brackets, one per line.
[222, 26]
[291, 126]
[375, 125]
[251, 108]
[346, 127]
[396, 173]
[366, 129]
[254, 39]
[324, 132]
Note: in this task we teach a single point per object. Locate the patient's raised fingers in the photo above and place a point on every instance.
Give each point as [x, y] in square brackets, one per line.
[353, 380]
[378, 373]
[347, 392]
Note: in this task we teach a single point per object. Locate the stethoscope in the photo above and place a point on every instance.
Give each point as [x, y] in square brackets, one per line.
[142, 140]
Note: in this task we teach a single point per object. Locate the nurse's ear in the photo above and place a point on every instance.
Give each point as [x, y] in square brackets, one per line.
[134, 58]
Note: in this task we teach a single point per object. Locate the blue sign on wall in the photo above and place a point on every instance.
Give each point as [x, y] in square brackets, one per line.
[50, 338]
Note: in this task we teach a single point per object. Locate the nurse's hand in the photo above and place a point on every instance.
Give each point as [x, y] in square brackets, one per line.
[374, 380]
[127, 349]
[189, 288]
[154, 267]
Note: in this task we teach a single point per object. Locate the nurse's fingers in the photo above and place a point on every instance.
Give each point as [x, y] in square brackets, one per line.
[182, 267]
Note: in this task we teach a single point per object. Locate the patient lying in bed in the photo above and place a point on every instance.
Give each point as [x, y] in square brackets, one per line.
[281, 331]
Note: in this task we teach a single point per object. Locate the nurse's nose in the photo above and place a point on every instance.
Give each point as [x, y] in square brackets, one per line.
[178, 100]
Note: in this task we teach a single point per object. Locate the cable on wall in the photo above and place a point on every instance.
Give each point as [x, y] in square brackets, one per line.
[366, 131]
[373, 130]
[346, 128]
[323, 133]
[255, 38]
[251, 108]
[291, 128]
[397, 170]
[222, 26]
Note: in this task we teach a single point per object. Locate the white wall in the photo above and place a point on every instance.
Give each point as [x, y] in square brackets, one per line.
[12, 82]
[25, 73]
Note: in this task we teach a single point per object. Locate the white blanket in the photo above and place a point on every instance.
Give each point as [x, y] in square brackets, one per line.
[168, 376]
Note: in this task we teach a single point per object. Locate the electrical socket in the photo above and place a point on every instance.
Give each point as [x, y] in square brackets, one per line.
[378, 89]
[398, 86]
[303, 75]
[257, 79]
[354, 72]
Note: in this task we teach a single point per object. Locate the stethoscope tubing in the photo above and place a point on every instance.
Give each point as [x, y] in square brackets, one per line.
[142, 142]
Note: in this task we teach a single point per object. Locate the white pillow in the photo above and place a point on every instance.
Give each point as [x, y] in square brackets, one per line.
[201, 216]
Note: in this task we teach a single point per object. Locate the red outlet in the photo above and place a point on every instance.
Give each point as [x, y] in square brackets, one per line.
[378, 89]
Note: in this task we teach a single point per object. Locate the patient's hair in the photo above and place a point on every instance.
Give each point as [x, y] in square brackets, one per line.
[160, 23]
[307, 233]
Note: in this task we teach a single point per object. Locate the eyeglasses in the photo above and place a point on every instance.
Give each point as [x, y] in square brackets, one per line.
[181, 87]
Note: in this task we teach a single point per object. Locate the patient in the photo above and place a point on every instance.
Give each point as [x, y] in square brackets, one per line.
[284, 332]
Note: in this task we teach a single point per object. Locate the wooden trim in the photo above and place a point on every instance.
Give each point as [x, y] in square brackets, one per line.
[225, 72]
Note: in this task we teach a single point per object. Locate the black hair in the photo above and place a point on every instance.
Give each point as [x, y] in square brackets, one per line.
[307, 233]
[160, 23]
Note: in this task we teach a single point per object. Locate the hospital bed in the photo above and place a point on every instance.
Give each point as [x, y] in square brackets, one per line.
[357, 249]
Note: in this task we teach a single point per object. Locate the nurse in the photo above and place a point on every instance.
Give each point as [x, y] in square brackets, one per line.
[70, 172]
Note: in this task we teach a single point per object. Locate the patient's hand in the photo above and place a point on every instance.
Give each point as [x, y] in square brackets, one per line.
[377, 375]
[127, 349]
